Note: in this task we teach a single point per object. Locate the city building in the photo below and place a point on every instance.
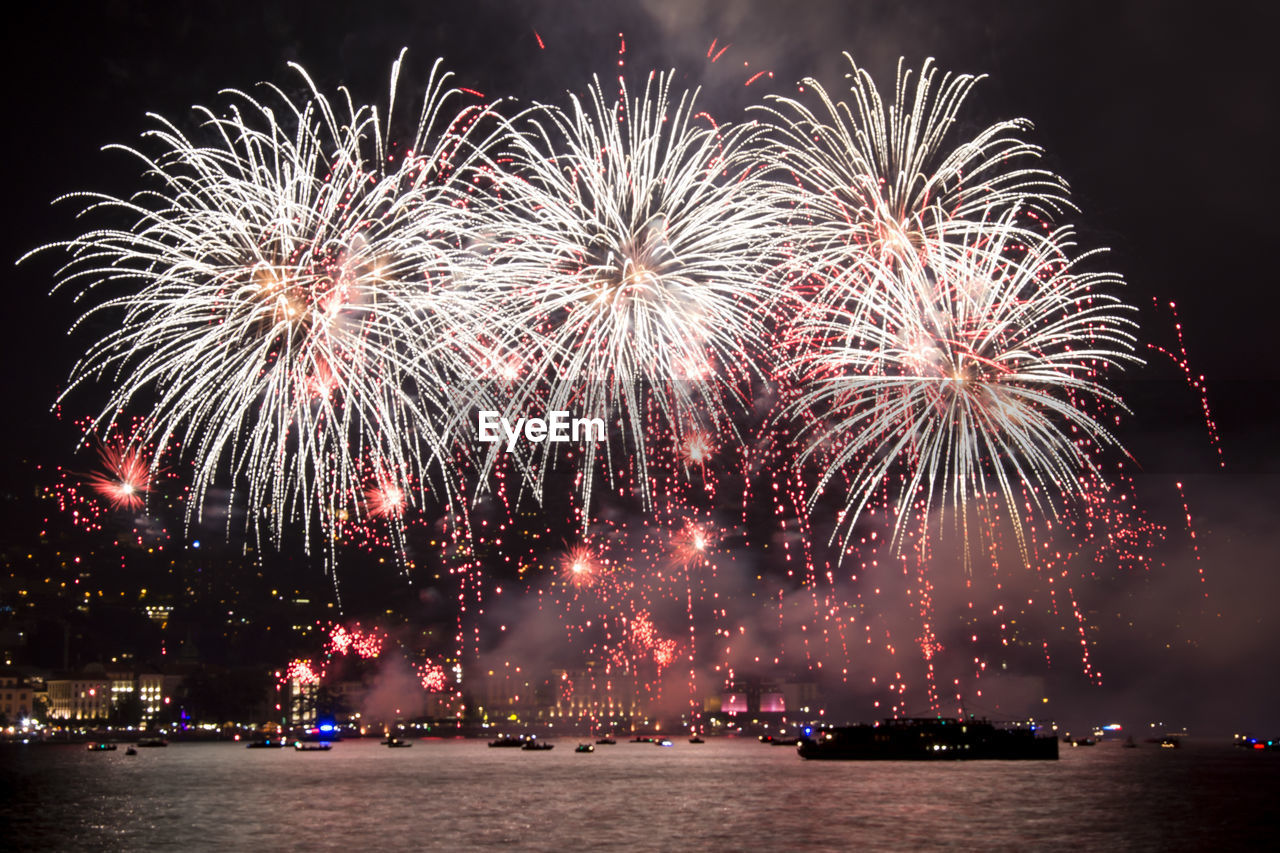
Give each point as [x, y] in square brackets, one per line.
[95, 692]
[17, 698]
[84, 696]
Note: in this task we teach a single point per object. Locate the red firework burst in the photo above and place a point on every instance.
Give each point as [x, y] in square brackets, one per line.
[578, 566]
[697, 449]
[385, 500]
[126, 478]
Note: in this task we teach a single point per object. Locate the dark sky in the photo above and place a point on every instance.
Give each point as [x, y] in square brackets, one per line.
[1162, 117]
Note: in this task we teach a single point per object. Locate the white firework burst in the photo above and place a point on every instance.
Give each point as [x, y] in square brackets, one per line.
[638, 239]
[970, 369]
[290, 304]
[880, 178]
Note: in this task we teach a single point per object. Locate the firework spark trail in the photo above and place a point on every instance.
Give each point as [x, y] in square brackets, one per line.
[1194, 382]
[298, 303]
[638, 243]
[1191, 532]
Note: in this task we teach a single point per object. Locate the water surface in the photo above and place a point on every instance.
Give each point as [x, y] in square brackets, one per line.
[722, 795]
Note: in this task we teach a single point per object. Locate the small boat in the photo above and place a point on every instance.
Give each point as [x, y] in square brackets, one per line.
[153, 741]
[321, 746]
[397, 743]
[537, 746]
[663, 742]
[507, 742]
[98, 746]
[131, 751]
[642, 739]
[606, 741]
[266, 743]
[584, 747]
[779, 741]
[696, 739]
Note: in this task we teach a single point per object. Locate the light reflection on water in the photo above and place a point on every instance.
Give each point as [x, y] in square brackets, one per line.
[722, 795]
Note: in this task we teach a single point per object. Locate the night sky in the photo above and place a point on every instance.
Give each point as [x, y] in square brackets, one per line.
[1162, 119]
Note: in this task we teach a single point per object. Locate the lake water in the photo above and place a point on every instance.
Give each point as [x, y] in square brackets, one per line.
[722, 795]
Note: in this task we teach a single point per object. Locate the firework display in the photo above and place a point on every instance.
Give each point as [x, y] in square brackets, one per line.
[350, 647]
[816, 339]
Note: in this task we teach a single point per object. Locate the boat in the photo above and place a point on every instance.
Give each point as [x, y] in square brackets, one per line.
[1084, 741]
[312, 746]
[1250, 742]
[584, 747]
[696, 739]
[153, 742]
[928, 739]
[131, 751]
[537, 746]
[98, 746]
[606, 741]
[397, 743]
[643, 739]
[507, 742]
[663, 742]
[266, 743]
[320, 734]
[779, 740]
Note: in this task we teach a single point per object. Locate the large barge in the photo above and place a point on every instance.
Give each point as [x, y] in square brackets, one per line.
[929, 739]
